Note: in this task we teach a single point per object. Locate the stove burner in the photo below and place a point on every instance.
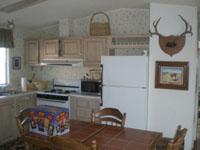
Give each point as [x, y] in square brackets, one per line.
[60, 91]
[67, 92]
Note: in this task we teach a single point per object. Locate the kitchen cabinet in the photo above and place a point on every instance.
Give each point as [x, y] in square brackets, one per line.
[31, 49]
[24, 102]
[93, 49]
[9, 108]
[8, 122]
[50, 49]
[81, 107]
[71, 48]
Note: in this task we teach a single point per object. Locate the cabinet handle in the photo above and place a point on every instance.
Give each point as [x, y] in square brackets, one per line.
[60, 53]
[101, 85]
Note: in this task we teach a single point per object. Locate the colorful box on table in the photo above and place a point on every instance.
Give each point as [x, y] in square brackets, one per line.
[49, 120]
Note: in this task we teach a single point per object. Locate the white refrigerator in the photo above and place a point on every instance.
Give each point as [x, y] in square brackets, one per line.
[124, 87]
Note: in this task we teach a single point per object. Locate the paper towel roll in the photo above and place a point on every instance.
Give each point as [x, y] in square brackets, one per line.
[23, 84]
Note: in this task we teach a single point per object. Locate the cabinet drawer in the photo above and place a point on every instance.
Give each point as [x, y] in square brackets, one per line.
[83, 112]
[87, 103]
[84, 119]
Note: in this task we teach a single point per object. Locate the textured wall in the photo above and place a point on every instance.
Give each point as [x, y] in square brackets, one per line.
[45, 32]
[123, 21]
[167, 107]
[19, 35]
[15, 75]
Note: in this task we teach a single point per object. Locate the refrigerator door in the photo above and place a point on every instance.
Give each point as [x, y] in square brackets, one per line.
[133, 101]
[128, 71]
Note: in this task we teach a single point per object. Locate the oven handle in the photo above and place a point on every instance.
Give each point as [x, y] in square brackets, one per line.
[51, 100]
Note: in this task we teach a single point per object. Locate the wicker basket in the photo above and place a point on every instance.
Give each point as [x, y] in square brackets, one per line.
[31, 86]
[41, 85]
[95, 74]
[99, 28]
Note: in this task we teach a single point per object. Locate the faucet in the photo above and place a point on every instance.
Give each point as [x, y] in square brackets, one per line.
[3, 88]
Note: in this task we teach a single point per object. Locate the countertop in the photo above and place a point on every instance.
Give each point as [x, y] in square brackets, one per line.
[85, 95]
[21, 93]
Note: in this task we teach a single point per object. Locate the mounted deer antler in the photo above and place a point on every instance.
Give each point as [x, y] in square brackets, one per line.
[155, 23]
[172, 44]
[186, 27]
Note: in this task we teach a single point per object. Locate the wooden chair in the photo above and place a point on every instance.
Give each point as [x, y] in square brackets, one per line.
[23, 123]
[109, 115]
[65, 143]
[176, 143]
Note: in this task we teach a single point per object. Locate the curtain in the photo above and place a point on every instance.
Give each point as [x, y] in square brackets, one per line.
[6, 38]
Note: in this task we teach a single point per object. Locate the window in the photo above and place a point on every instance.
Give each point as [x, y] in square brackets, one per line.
[3, 66]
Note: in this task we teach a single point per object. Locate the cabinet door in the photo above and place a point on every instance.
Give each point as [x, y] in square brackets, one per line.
[8, 122]
[94, 48]
[50, 48]
[22, 102]
[81, 107]
[71, 48]
[31, 52]
[32, 101]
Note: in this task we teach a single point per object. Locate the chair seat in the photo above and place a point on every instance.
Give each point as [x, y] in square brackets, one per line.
[164, 143]
[32, 138]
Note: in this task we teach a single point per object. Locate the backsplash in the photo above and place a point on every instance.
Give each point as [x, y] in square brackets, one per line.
[48, 73]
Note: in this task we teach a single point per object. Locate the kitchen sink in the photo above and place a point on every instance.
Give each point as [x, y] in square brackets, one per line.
[8, 93]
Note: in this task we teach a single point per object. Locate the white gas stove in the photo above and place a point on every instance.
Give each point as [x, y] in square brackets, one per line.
[59, 95]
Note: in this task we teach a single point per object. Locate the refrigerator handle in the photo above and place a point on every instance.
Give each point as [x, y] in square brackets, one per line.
[101, 104]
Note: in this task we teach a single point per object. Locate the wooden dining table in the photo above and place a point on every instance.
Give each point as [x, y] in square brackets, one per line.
[107, 137]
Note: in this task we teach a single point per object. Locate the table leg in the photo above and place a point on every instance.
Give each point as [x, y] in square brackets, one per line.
[27, 147]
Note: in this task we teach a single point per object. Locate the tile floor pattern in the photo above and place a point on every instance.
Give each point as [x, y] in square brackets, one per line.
[15, 145]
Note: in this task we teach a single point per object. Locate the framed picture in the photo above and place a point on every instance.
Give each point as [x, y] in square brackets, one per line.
[16, 62]
[171, 75]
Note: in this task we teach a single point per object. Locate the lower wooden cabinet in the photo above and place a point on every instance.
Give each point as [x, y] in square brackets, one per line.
[7, 119]
[9, 109]
[24, 102]
[81, 107]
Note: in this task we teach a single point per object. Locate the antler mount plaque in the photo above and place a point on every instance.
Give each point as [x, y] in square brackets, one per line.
[172, 44]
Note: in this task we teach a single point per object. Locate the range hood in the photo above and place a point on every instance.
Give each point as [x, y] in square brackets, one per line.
[62, 62]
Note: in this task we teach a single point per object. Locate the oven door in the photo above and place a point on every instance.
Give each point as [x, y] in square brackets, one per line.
[53, 102]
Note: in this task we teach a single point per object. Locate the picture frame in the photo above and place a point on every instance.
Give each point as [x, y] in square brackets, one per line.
[171, 75]
[16, 63]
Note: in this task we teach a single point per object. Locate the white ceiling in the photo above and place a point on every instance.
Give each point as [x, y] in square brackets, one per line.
[51, 11]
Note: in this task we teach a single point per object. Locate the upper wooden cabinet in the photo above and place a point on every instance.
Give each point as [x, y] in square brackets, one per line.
[71, 48]
[50, 49]
[66, 48]
[31, 52]
[93, 49]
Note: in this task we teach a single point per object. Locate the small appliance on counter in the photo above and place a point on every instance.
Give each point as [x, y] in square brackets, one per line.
[91, 86]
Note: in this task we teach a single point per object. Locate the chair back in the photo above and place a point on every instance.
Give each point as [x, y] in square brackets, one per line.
[23, 121]
[177, 142]
[65, 143]
[110, 116]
